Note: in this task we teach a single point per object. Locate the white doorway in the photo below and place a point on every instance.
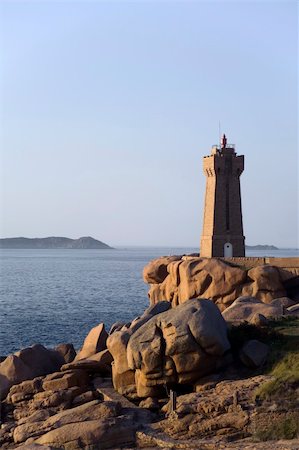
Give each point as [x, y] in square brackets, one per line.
[228, 250]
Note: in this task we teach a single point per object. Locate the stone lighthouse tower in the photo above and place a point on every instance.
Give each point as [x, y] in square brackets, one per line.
[222, 233]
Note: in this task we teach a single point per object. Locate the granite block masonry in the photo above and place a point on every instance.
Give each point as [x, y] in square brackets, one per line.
[222, 234]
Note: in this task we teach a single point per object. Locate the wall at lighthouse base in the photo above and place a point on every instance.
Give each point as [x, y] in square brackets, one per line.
[213, 246]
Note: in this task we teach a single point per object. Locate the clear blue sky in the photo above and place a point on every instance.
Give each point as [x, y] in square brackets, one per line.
[109, 107]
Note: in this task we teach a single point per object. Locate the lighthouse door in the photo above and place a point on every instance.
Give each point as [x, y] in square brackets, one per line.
[228, 250]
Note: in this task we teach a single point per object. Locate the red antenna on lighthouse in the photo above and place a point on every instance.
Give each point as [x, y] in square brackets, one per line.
[223, 141]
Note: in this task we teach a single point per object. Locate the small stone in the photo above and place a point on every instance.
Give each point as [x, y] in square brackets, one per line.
[38, 416]
[259, 320]
[206, 383]
[19, 397]
[286, 302]
[273, 407]
[87, 396]
[27, 387]
[6, 427]
[52, 399]
[293, 310]
[89, 366]
[149, 403]
[254, 353]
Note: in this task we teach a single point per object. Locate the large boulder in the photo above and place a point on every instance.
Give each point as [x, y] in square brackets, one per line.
[178, 346]
[94, 342]
[245, 309]
[12, 371]
[27, 364]
[40, 359]
[123, 377]
[112, 433]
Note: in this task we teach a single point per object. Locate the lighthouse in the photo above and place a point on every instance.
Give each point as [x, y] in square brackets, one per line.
[222, 233]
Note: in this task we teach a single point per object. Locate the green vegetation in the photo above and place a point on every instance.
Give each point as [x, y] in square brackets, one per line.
[283, 361]
[286, 375]
[282, 336]
[284, 426]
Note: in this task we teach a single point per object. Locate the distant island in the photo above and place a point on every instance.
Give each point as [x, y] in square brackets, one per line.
[261, 247]
[53, 242]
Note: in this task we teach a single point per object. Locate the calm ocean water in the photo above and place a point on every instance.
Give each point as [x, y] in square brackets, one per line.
[55, 296]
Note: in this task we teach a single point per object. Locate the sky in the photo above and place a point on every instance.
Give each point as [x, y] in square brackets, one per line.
[107, 109]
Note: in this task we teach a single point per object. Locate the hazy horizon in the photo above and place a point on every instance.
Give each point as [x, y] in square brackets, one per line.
[109, 107]
[124, 245]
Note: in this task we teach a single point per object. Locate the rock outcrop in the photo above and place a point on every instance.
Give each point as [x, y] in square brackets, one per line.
[177, 279]
[176, 346]
[64, 410]
[223, 408]
[26, 364]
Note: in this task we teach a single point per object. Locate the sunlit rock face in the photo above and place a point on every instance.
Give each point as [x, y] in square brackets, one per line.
[178, 279]
[176, 346]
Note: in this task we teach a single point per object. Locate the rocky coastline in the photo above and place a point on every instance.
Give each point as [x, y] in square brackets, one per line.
[210, 364]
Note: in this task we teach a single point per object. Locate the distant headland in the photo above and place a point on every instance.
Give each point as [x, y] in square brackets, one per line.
[261, 247]
[86, 242]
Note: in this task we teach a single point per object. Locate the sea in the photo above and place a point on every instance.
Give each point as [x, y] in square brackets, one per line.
[57, 296]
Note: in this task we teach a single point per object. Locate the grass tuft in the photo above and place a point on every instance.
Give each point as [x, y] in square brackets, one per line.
[286, 379]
